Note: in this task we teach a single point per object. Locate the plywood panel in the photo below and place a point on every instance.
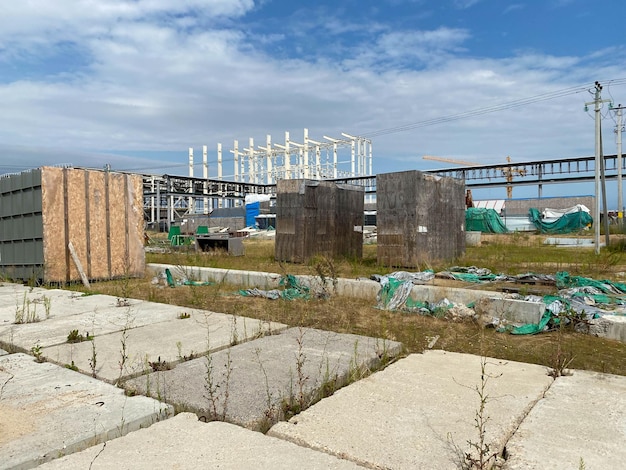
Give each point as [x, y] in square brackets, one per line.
[98, 266]
[77, 200]
[53, 218]
[101, 214]
[135, 224]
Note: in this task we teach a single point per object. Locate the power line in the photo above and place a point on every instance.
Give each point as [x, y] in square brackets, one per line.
[489, 109]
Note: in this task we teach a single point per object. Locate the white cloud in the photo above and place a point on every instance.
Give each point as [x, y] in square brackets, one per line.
[155, 84]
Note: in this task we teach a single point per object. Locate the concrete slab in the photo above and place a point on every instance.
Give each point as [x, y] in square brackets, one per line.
[99, 321]
[419, 412]
[48, 411]
[581, 419]
[14, 297]
[178, 339]
[185, 442]
[3, 352]
[252, 383]
[57, 303]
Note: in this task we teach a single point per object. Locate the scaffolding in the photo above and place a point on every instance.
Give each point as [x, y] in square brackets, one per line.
[255, 170]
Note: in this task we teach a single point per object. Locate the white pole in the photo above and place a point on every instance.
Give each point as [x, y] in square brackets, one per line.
[287, 157]
[251, 161]
[268, 159]
[370, 156]
[190, 199]
[306, 153]
[335, 160]
[205, 175]
[219, 173]
[236, 154]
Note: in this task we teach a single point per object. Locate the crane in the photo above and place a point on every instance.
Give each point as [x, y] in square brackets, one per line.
[450, 160]
[507, 172]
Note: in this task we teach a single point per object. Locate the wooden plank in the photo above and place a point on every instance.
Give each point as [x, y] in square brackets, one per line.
[78, 265]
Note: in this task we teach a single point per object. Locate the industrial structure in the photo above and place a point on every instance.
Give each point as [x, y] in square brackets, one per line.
[254, 170]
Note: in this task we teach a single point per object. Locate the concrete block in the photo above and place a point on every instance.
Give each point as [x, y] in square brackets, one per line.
[177, 339]
[185, 442]
[581, 418]
[253, 380]
[516, 311]
[49, 411]
[419, 412]
[609, 326]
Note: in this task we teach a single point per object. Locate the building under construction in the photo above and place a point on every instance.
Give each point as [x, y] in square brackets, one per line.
[255, 170]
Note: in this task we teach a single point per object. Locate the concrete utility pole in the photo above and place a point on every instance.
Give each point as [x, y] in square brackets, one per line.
[597, 102]
[618, 130]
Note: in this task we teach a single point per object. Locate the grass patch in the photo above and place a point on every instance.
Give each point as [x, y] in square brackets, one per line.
[511, 254]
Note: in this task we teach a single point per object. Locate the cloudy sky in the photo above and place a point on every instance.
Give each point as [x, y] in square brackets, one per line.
[134, 83]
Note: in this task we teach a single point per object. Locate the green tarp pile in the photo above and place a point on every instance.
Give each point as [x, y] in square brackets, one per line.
[293, 289]
[483, 220]
[567, 223]
[183, 282]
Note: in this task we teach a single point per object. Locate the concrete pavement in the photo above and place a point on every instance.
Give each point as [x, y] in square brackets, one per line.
[419, 412]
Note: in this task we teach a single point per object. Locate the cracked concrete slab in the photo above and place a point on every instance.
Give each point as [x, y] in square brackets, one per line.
[582, 419]
[252, 382]
[420, 411]
[185, 442]
[98, 321]
[178, 339]
[48, 411]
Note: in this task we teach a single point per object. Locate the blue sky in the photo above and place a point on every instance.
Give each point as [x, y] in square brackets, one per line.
[134, 83]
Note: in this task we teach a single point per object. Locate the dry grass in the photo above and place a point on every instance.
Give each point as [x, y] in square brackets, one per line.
[414, 331]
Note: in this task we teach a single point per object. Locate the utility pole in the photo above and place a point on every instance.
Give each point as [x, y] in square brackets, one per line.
[618, 130]
[597, 102]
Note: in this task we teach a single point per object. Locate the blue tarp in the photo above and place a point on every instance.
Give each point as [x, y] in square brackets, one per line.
[252, 210]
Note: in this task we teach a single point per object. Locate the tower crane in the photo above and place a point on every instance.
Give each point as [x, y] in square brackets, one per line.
[507, 172]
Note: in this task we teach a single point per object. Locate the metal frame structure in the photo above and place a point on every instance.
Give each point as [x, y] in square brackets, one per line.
[169, 198]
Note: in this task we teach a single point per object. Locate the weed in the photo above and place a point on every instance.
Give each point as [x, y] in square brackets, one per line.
[72, 366]
[27, 312]
[300, 361]
[123, 346]
[561, 359]
[184, 316]
[75, 337]
[212, 385]
[326, 271]
[37, 351]
[47, 304]
[271, 415]
[480, 456]
[93, 361]
[159, 365]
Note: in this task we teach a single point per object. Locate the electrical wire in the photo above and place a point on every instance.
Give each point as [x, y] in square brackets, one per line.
[489, 109]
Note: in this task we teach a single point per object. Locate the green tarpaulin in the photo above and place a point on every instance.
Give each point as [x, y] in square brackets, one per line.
[483, 220]
[567, 223]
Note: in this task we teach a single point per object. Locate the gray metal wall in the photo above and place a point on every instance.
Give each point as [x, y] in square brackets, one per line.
[21, 226]
[420, 218]
[318, 218]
